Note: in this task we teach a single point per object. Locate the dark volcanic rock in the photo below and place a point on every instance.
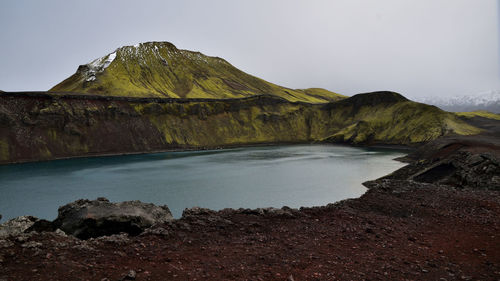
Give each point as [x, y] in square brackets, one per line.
[86, 219]
[41, 225]
[130, 275]
[460, 169]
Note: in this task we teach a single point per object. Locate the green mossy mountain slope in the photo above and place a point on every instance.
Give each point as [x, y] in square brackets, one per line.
[47, 126]
[390, 118]
[159, 69]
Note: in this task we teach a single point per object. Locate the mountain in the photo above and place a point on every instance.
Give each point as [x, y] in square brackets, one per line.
[159, 69]
[486, 101]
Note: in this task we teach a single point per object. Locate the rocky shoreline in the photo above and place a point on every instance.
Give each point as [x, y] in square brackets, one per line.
[437, 218]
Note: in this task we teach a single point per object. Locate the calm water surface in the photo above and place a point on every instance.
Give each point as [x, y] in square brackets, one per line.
[274, 176]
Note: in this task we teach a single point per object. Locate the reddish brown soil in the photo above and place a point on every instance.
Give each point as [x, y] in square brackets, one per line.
[402, 231]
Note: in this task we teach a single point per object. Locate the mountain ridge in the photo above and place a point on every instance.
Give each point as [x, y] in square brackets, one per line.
[159, 69]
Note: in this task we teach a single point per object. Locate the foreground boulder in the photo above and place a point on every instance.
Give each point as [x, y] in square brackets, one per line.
[87, 219]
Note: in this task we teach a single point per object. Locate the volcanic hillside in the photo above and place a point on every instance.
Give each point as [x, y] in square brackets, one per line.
[159, 69]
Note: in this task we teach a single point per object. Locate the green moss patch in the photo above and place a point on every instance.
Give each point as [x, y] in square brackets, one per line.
[484, 114]
[4, 150]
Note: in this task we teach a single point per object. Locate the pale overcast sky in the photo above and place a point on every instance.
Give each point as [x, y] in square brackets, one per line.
[415, 47]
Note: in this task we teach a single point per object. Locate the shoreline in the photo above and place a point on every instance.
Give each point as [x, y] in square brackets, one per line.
[395, 147]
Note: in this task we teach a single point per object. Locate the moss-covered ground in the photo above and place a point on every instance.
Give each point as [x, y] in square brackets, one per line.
[484, 114]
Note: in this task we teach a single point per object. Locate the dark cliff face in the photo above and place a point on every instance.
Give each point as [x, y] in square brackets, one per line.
[47, 127]
[41, 126]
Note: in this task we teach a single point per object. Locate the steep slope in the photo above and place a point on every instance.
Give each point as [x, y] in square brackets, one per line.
[40, 126]
[159, 69]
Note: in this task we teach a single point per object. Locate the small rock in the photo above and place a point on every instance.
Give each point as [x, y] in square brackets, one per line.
[474, 159]
[16, 226]
[196, 211]
[31, 244]
[119, 239]
[5, 243]
[130, 276]
[22, 238]
[60, 233]
[84, 247]
[160, 231]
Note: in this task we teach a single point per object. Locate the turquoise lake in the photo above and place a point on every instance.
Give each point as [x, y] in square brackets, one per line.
[250, 177]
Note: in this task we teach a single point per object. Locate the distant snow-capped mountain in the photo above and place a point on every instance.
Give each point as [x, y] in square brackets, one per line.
[489, 101]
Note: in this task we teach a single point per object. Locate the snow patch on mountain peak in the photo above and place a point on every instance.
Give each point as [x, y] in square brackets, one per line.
[98, 65]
